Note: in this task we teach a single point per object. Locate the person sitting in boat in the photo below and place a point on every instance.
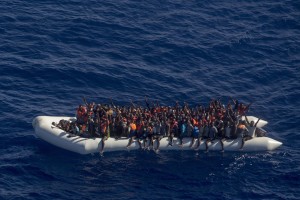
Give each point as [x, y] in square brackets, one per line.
[241, 129]
[173, 131]
[236, 105]
[183, 131]
[150, 135]
[119, 124]
[251, 131]
[195, 134]
[81, 114]
[189, 128]
[104, 132]
[155, 130]
[90, 110]
[206, 128]
[201, 133]
[168, 128]
[139, 131]
[144, 135]
[97, 127]
[91, 127]
[58, 125]
[124, 127]
[62, 124]
[251, 126]
[113, 127]
[227, 128]
[75, 128]
[161, 133]
[234, 122]
[221, 133]
[212, 134]
[132, 133]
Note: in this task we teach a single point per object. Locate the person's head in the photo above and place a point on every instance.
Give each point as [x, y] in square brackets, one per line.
[252, 123]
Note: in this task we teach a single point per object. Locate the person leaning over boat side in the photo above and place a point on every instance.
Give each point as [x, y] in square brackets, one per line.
[173, 131]
[212, 134]
[156, 130]
[132, 133]
[124, 127]
[183, 132]
[168, 129]
[195, 134]
[233, 127]
[206, 130]
[113, 126]
[189, 128]
[119, 124]
[161, 133]
[227, 130]
[221, 133]
[201, 134]
[139, 131]
[97, 128]
[251, 131]
[145, 133]
[104, 135]
[150, 135]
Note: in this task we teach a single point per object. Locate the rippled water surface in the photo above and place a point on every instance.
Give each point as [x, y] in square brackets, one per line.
[55, 52]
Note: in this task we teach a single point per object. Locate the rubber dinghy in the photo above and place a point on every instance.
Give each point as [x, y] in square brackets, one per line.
[45, 130]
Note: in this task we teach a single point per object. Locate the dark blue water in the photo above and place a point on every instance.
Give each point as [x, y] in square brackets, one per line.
[55, 52]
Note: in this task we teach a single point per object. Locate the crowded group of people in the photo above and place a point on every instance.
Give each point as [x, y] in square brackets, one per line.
[152, 122]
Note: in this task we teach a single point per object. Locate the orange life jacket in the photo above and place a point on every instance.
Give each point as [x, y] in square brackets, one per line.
[133, 126]
[241, 126]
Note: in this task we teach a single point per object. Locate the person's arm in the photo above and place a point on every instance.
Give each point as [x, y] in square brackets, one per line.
[247, 107]
[234, 101]
[157, 104]
[219, 101]
[147, 103]
[186, 105]
[256, 122]
[85, 102]
[176, 104]
[229, 116]
[247, 119]
[213, 102]
[133, 105]
[112, 103]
